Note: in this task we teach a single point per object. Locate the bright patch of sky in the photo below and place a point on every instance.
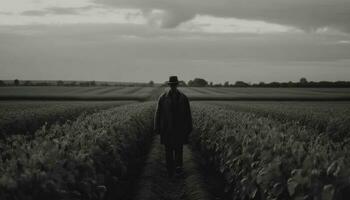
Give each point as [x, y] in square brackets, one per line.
[210, 24]
[84, 16]
[18, 6]
[34, 12]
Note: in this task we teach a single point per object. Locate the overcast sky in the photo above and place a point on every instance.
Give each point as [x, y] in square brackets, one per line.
[142, 40]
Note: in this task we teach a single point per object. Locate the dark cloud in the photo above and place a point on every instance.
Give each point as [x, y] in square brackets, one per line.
[53, 10]
[306, 14]
[63, 11]
[6, 13]
[173, 19]
[35, 13]
[163, 44]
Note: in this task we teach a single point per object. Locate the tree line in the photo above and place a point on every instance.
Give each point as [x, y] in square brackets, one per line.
[303, 82]
[17, 82]
[196, 82]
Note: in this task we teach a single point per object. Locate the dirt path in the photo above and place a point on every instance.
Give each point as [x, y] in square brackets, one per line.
[154, 183]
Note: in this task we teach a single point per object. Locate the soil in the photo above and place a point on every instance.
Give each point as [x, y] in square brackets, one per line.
[195, 183]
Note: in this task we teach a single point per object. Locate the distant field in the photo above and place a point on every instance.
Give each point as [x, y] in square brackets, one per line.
[267, 93]
[76, 93]
[23, 117]
[151, 93]
[325, 116]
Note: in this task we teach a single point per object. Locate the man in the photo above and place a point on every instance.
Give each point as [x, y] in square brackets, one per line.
[173, 121]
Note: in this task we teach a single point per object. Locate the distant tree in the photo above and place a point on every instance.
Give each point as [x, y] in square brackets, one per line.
[60, 83]
[2, 83]
[303, 81]
[241, 84]
[283, 84]
[290, 84]
[16, 82]
[151, 83]
[261, 84]
[198, 82]
[87, 83]
[42, 84]
[73, 83]
[182, 83]
[274, 84]
[84, 83]
[341, 84]
[190, 83]
[28, 83]
[226, 84]
[211, 84]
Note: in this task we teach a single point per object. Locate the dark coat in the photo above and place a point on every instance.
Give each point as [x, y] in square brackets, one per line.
[173, 125]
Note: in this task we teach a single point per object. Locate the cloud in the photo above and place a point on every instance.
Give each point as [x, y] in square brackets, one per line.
[127, 41]
[183, 20]
[305, 14]
[84, 15]
[209, 24]
[166, 19]
[54, 11]
[35, 12]
[142, 53]
[64, 11]
[344, 42]
[264, 16]
[5, 13]
[19, 6]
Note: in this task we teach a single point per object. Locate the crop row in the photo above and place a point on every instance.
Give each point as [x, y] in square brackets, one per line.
[263, 158]
[90, 158]
[24, 118]
[331, 118]
[75, 93]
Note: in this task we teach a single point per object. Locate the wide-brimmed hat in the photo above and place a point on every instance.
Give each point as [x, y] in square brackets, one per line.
[173, 80]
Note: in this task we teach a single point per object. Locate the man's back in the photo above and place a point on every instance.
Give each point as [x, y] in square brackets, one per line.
[173, 121]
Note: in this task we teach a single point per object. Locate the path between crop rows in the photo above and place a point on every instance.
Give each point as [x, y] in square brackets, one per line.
[154, 183]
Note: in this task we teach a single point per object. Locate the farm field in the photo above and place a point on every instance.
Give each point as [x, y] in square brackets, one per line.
[75, 93]
[238, 150]
[78, 159]
[331, 117]
[151, 93]
[266, 152]
[24, 117]
[220, 93]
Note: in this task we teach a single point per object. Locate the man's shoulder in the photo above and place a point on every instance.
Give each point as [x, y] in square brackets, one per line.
[162, 96]
[166, 94]
[182, 94]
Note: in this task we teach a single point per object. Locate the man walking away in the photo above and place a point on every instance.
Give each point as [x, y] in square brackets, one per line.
[173, 121]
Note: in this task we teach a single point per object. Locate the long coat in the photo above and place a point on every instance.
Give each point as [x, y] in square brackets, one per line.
[173, 125]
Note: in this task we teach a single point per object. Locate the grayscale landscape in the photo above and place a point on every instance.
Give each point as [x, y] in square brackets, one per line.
[82, 83]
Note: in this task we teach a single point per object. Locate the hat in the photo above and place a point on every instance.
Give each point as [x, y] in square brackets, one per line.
[173, 80]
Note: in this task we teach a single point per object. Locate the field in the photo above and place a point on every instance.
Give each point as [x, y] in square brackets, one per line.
[209, 93]
[75, 93]
[147, 93]
[26, 117]
[238, 149]
[265, 152]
